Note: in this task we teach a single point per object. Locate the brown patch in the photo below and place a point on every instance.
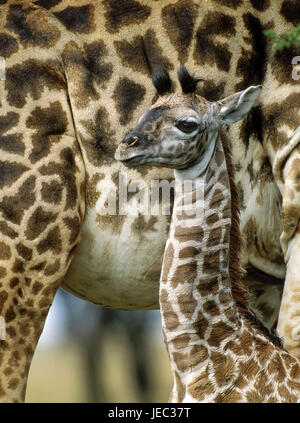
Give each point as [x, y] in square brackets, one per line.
[13, 208]
[23, 251]
[188, 252]
[78, 67]
[100, 142]
[211, 308]
[187, 304]
[39, 75]
[142, 54]
[208, 287]
[66, 170]
[120, 13]
[8, 45]
[230, 3]
[32, 26]
[278, 114]
[186, 361]
[181, 341]
[51, 242]
[186, 272]
[5, 253]
[18, 266]
[252, 64]
[77, 19]
[170, 317]
[207, 49]
[96, 53]
[200, 325]
[219, 332]
[260, 5]
[140, 225]
[92, 194]
[12, 143]
[179, 21]
[229, 396]
[211, 262]
[201, 387]
[10, 172]
[50, 124]
[38, 222]
[214, 238]
[192, 233]
[52, 268]
[8, 231]
[128, 95]
[290, 9]
[52, 192]
[73, 224]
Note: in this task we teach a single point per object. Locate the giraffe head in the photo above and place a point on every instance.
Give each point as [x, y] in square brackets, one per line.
[177, 130]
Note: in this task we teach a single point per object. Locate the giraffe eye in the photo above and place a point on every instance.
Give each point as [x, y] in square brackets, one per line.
[186, 126]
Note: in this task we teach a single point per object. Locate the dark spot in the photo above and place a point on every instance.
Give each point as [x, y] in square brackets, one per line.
[96, 53]
[79, 66]
[140, 225]
[77, 19]
[10, 172]
[252, 64]
[128, 95]
[207, 49]
[12, 143]
[47, 4]
[5, 252]
[51, 242]
[121, 13]
[66, 170]
[260, 5]
[38, 222]
[32, 27]
[290, 9]
[73, 224]
[100, 145]
[281, 65]
[252, 125]
[13, 207]
[23, 251]
[143, 53]
[32, 77]
[8, 231]
[230, 3]
[50, 123]
[211, 90]
[52, 268]
[52, 192]
[8, 45]
[179, 21]
[278, 114]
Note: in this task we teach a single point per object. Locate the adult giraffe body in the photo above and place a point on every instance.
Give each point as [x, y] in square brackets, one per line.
[76, 79]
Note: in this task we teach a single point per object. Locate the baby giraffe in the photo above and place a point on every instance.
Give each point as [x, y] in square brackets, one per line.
[218, 350]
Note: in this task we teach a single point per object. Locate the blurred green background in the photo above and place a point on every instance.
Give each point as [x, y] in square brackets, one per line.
[89, 353]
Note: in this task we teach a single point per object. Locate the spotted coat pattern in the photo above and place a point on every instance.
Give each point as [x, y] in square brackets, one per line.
[75, 82]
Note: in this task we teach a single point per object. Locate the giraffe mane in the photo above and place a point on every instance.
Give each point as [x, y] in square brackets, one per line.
[239, 292]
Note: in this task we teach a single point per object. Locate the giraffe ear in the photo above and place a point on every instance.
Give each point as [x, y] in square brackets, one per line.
[236, 106]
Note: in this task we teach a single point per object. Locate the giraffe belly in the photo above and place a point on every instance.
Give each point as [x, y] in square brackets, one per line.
[119, 270]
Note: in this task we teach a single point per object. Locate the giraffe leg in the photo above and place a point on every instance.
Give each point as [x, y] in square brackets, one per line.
[289, 315]
[35, 255]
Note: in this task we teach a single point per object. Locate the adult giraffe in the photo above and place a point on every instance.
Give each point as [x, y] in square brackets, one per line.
[76, 79]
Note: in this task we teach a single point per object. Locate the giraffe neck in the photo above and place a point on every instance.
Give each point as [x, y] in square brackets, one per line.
[197, 302]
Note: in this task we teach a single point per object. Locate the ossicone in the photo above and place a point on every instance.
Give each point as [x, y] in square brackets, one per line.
[162, 81]
[187, 81]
